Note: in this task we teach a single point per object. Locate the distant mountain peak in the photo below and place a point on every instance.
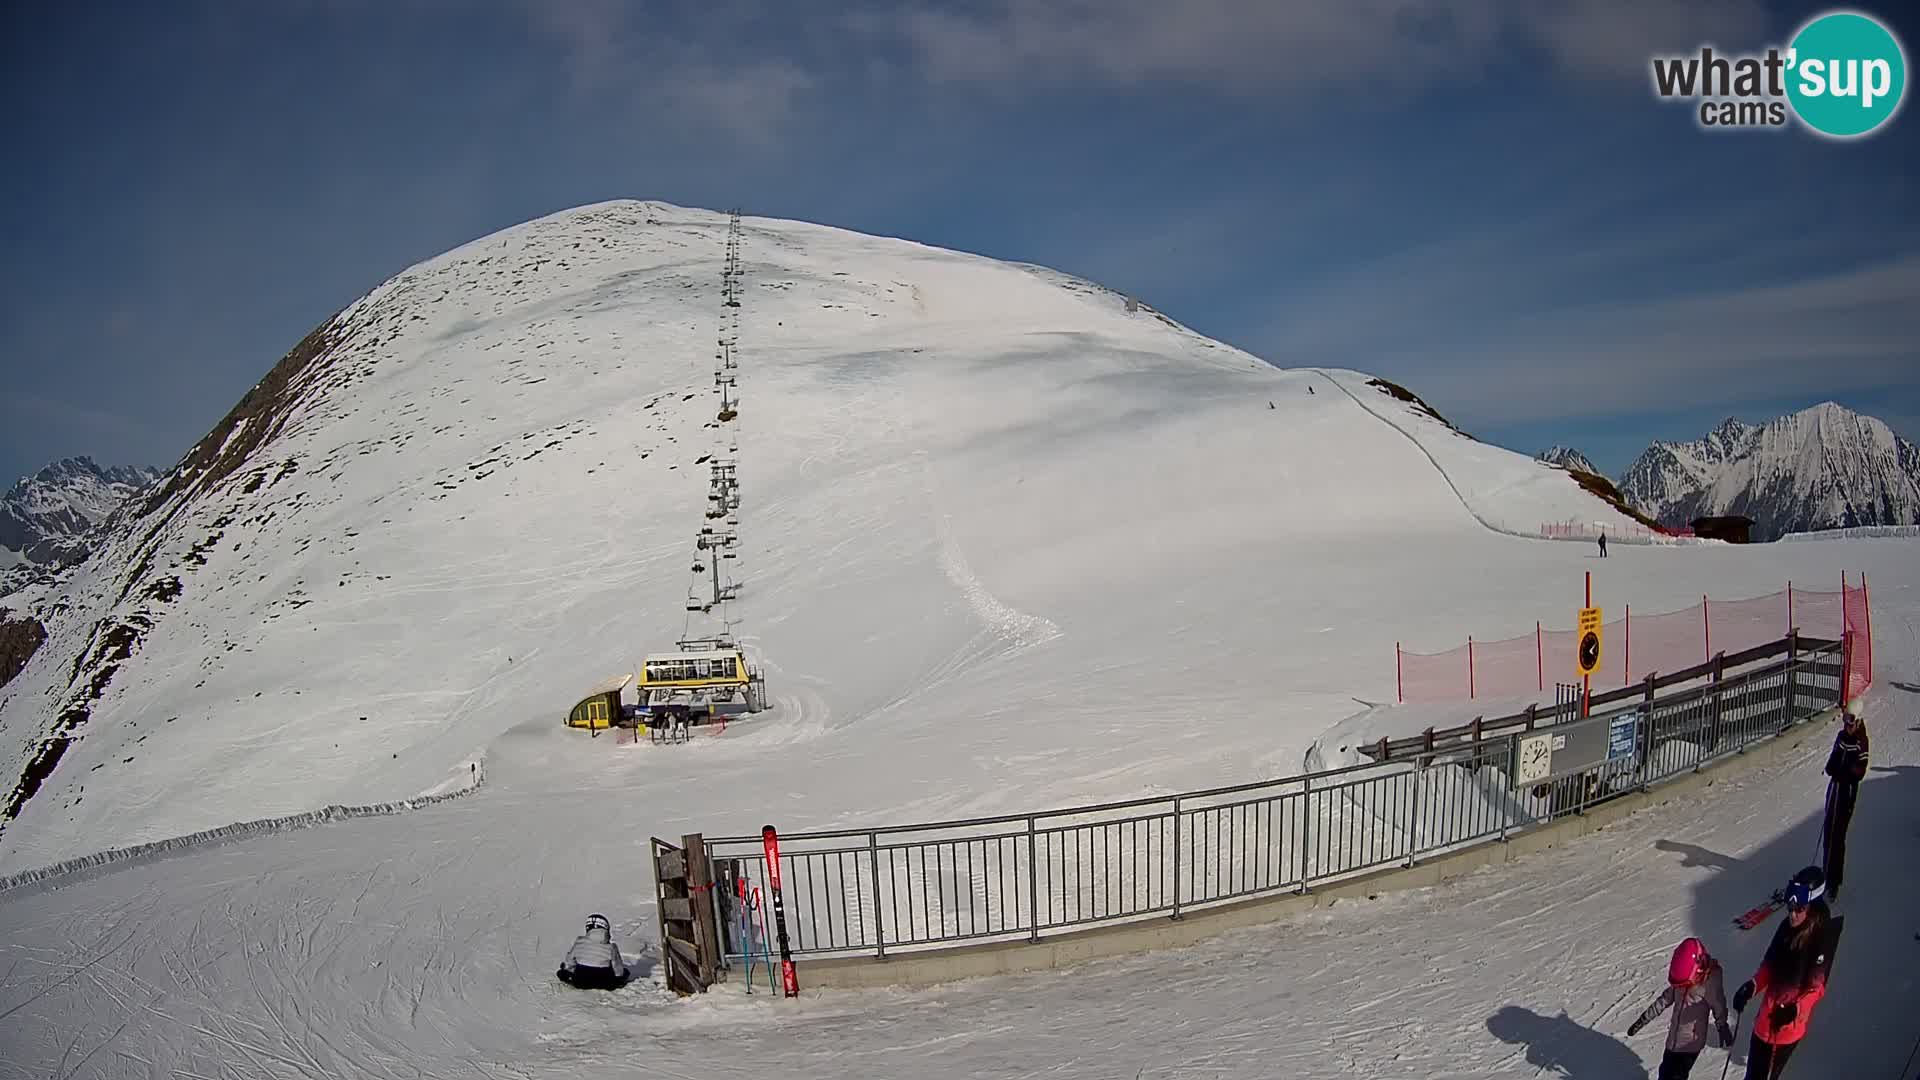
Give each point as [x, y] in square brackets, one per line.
[1567, 458]
[1824, 466]
[48, 517]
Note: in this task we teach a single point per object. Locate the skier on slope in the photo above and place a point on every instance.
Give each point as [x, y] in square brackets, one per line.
[1847, 766]
[1696, 993]
[1603, 545]
[594, 962]
[1791, 979]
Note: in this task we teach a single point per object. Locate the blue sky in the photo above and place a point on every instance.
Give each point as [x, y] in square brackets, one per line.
[1482, 200]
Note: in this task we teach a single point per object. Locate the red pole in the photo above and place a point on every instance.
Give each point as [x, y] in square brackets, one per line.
[1846, 645]
[1399, 681]
[1539, 657]
[1866, 604]
[1626, 664]
[1469, 666]
[1706, 625]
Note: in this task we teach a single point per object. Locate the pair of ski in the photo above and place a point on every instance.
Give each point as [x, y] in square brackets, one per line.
[1760, 912]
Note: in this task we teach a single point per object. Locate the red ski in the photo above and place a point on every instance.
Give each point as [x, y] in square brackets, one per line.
[1758, 914]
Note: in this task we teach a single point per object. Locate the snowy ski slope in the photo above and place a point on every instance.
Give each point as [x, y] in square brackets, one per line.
[1006, 547]
[484, 503]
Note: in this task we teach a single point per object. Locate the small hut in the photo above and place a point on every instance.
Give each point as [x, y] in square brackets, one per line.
[1732, 528]
[600, 708]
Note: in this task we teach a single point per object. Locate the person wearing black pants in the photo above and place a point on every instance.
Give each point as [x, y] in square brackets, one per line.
[1846, 766]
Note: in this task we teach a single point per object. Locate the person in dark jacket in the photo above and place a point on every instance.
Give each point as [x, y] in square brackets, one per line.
[594, 962]
[1603, 545]
[1697, 997]
[1791, 979]
[1847, 766]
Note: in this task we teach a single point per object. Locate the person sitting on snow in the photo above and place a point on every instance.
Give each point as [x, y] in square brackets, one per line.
[594, 962]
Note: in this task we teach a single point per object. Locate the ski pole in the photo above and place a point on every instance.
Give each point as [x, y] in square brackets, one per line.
[1826, 823]
[743, 924]
[765, 939]
[1730, 1046]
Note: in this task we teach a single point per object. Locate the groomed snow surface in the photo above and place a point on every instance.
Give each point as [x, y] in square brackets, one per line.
[1007, 547]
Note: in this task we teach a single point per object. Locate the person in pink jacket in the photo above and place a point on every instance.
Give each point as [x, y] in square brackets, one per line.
[1792, 978]
[1697, 997]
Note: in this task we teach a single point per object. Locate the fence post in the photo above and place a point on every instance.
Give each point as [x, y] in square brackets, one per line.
[1306, 814]
[1626, 658]
[1719, 663]
[1176, 857]
[1509, 798]
[1793, 674]
[1846, 654]
[1033, 884]
[1413, 812]
[879, 928]
[1530, 711]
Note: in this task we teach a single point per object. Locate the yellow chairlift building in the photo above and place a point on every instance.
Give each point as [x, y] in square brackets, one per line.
[600, 709]
[704, 682]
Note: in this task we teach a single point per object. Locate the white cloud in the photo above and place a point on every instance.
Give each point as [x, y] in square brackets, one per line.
[1262, 46]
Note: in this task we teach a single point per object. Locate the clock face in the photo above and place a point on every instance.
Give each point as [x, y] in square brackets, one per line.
[1535, 758]
[1589, 651]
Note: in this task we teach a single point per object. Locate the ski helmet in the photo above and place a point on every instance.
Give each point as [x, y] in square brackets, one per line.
[1807, 886]
[1689, 963]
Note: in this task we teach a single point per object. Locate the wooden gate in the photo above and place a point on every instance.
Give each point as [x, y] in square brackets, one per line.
[689, 931]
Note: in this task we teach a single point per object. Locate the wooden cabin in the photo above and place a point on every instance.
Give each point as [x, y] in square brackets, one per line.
[1732, 528]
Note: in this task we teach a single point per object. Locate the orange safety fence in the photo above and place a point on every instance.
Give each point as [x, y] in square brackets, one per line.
[1637, 645]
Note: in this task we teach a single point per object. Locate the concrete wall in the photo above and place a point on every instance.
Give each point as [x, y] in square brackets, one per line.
[1071, 947]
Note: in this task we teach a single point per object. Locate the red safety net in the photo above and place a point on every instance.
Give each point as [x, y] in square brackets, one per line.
[1858, 619]
[1636, 645]
[1574, 529]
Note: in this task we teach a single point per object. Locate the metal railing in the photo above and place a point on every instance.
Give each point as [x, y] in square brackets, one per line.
[1780, 651]
[1027, 876]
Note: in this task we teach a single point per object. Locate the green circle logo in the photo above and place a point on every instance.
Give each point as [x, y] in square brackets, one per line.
[1846, 74]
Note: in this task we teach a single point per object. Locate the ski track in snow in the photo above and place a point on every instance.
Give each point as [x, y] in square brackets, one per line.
[1018, 629]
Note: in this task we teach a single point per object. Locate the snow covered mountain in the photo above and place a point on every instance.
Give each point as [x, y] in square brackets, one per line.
[45, 518]
[1820, 468]
[1006, 545]
[475, 491]
[1567, 458]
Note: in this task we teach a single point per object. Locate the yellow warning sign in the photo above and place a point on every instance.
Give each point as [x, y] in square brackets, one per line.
[1588, 659]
